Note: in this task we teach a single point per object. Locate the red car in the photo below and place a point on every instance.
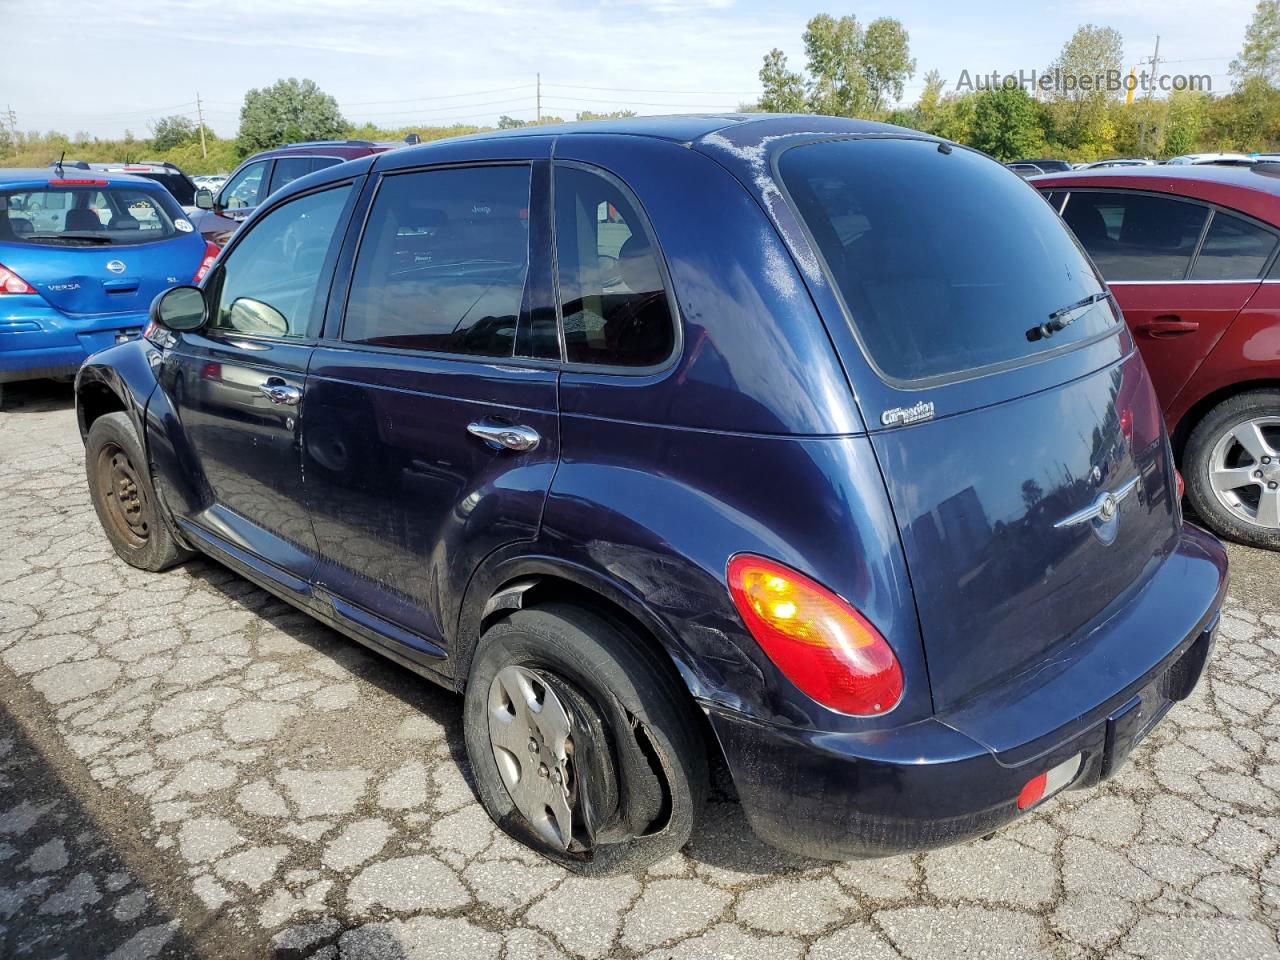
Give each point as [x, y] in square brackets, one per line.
[1190, 254]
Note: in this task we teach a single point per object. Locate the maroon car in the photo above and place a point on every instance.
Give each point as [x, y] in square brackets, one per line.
[263, 174]
[1190, 253]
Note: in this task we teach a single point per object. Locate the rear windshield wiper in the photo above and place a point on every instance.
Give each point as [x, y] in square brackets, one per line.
[1059, 319]
[76, 237]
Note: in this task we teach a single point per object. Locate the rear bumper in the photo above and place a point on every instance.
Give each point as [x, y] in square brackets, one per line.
[941, 780]
[39, 341]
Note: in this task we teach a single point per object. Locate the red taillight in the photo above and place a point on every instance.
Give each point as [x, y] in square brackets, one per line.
[211, 251]
[1126, 426]
[823, 645]
[211, 371]
[77, 183]
[10, 282]
[1181, 484]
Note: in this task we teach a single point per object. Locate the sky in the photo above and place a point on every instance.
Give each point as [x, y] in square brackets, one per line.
[105, 67]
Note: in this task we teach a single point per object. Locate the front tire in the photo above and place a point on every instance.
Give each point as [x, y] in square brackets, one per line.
[1232, 468]
[124, 498]
[584, 743]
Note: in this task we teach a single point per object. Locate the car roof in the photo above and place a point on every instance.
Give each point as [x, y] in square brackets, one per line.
[40, 177]
[1263, 177]
[1252, 189]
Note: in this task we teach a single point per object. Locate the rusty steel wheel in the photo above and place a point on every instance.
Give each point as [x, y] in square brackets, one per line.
[124, 499]
[123, 496]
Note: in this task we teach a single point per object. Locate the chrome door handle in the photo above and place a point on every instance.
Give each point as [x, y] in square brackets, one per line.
[277, 391]
[503, 435]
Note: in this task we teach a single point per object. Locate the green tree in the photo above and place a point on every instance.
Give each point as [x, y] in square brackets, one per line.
[930, 98]
[1260, 56]
[510, 123]
[170, 132]
[953, 119]
[1006, 123]
[288, 111]
[1079, 110]
[1188, 116]
[783, 89]
[886, 61]
[850, 72]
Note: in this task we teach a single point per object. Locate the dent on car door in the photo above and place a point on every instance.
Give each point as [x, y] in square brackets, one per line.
[1180, 270]
[236, 386]
[410, 475]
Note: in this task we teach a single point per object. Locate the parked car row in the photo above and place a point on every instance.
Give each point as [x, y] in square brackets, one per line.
[1032, 168]
[1192, 255]
[812, 445]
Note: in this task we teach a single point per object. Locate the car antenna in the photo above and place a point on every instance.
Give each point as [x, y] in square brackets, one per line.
[58, 166]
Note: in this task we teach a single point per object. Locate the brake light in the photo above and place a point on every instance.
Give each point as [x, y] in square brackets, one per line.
[822, 644]
[10, 282]
[1181, 484]
[77, 183]
[211, 251]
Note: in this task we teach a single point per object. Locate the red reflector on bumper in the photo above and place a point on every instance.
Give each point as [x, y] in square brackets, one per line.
[1048, 783]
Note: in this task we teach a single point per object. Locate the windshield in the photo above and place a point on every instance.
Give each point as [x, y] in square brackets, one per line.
[97, 214]
[945, 260]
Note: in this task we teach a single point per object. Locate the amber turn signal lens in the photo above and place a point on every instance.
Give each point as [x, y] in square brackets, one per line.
[823, 645]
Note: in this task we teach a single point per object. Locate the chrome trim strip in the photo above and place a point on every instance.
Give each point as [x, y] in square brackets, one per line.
[1103, 508]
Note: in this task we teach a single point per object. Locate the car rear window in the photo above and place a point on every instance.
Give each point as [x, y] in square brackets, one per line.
[94, 214]
[183, 190]
[946, 261]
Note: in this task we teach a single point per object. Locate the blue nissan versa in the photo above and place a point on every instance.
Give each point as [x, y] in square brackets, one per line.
[810, 443]
[82, 254]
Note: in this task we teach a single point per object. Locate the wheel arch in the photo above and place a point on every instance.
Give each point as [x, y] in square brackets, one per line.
[1197, 411]
[512, 583]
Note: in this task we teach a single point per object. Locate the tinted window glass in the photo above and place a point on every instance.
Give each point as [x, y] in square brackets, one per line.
[1233, 250]
[88, 216]
[1136, 237]
[289, 169]
[612, 297]
[244, 188]
[944, 260]
[267, 284]
[443, 262]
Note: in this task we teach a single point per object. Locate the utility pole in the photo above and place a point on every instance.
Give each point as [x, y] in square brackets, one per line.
[204, 152]
[1146, 110]
[539, 97]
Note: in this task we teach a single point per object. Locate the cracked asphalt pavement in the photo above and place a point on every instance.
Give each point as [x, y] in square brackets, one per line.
[191, 768]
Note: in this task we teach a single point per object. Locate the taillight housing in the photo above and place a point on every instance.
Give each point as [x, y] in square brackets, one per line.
[211, 251]
[10, 282]
[1179, 483]
[823, 645]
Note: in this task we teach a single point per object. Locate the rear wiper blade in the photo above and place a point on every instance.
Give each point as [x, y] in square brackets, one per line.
[84, 237]
[1059, 319]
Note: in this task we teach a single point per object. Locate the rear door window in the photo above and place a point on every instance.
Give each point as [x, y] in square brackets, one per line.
[613, 301]
[1233, 249]
[442, 262]
[1135, 236]
[946, 261]
[288, 169]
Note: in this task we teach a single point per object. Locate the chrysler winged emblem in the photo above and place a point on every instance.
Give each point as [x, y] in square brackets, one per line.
[1103, 513]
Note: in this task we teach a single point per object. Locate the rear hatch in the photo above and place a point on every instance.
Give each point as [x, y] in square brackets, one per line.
[1020, 441]
[96, 246]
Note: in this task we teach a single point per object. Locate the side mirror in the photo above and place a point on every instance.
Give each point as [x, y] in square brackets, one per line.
[204, 198]
[179, 308]
[253, 316]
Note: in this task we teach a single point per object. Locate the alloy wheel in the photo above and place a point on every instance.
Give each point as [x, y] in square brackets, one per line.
[531, 734]
[1244, 471]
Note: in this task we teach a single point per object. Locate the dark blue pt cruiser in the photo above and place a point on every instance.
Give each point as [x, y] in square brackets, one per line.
[811, 444]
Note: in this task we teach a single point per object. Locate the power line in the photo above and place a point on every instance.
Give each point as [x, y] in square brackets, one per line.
[711, 93]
